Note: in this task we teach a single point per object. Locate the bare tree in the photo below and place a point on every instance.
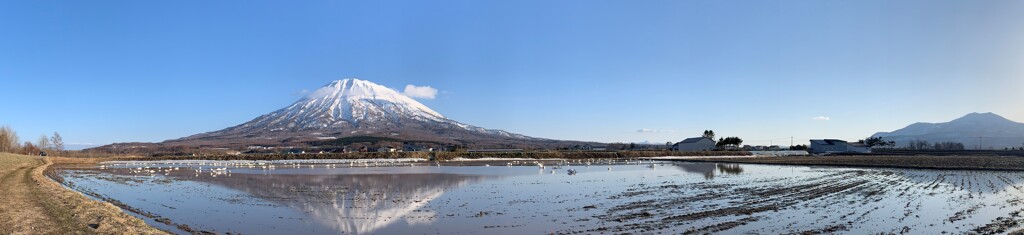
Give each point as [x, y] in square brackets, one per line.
[918, 145]
[8, 140]
[43, 143]
[58, 142]
[29, 149]
[949, 145]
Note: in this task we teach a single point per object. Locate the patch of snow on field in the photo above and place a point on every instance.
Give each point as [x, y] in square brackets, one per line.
[780, 153]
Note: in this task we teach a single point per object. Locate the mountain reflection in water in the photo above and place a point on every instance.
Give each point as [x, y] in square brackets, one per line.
[708, 169]
[626, 198]
[351, 203]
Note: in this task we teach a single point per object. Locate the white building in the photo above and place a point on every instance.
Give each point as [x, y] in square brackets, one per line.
[837, 146]
[386, 149]
[694, 144]
[588, 147]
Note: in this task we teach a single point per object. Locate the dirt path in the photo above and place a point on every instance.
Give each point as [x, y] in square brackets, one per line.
[21, 208]
[30, 203]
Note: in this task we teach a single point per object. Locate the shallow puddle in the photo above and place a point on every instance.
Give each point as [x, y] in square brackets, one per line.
[415, 197]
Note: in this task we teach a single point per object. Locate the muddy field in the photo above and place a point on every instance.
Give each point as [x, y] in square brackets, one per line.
[520, 197]
[1003, 163]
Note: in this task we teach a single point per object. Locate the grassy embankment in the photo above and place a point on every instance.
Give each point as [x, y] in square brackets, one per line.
[450, 155]
[31, 203]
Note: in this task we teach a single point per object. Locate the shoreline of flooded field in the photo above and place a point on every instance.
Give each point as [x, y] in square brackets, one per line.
[555, 196]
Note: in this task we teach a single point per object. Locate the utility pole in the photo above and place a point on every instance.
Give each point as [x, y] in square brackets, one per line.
[790, 141]
[979, 142]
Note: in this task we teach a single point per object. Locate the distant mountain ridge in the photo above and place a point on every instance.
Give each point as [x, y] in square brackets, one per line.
[974, 130]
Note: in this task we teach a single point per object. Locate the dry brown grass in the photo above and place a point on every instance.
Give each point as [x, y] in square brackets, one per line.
[34, 204]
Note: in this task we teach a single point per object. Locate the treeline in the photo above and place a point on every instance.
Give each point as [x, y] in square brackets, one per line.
[11, 143]
[924, 145]
[729, 141]
[722, 142]
[877, 142]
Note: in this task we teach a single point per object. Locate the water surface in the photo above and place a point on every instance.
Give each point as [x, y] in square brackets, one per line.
[638, 197]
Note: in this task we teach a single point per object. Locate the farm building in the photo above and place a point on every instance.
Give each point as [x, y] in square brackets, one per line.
[694, 144]
[837, 146]
[588, 147]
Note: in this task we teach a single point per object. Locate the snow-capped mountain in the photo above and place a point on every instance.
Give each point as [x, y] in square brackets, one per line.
[974, 130]
[354, 107]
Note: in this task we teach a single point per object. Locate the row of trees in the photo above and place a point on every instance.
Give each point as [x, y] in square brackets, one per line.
[727, 141]
[877, 142]
[924, 145]
[10, 143]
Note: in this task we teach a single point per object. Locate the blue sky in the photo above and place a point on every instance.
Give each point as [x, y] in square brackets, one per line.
[123, 71]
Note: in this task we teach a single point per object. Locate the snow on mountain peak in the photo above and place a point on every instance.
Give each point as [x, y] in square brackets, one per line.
[347, 91]
[352, 105]
[350, 87]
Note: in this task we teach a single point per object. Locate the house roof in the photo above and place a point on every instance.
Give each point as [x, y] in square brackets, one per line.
[858, 145]
[694, 140]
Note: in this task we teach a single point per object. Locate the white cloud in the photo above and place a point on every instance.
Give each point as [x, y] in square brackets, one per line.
[425, 92]
[649, 130]
[821, 118]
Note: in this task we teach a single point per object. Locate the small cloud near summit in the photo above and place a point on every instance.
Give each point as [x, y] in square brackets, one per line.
[821, 118]
[425, 92]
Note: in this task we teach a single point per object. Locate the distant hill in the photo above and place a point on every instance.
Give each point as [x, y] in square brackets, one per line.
[988, 130]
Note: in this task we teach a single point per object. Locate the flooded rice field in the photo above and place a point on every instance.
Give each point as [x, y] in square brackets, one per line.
[523, 197]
